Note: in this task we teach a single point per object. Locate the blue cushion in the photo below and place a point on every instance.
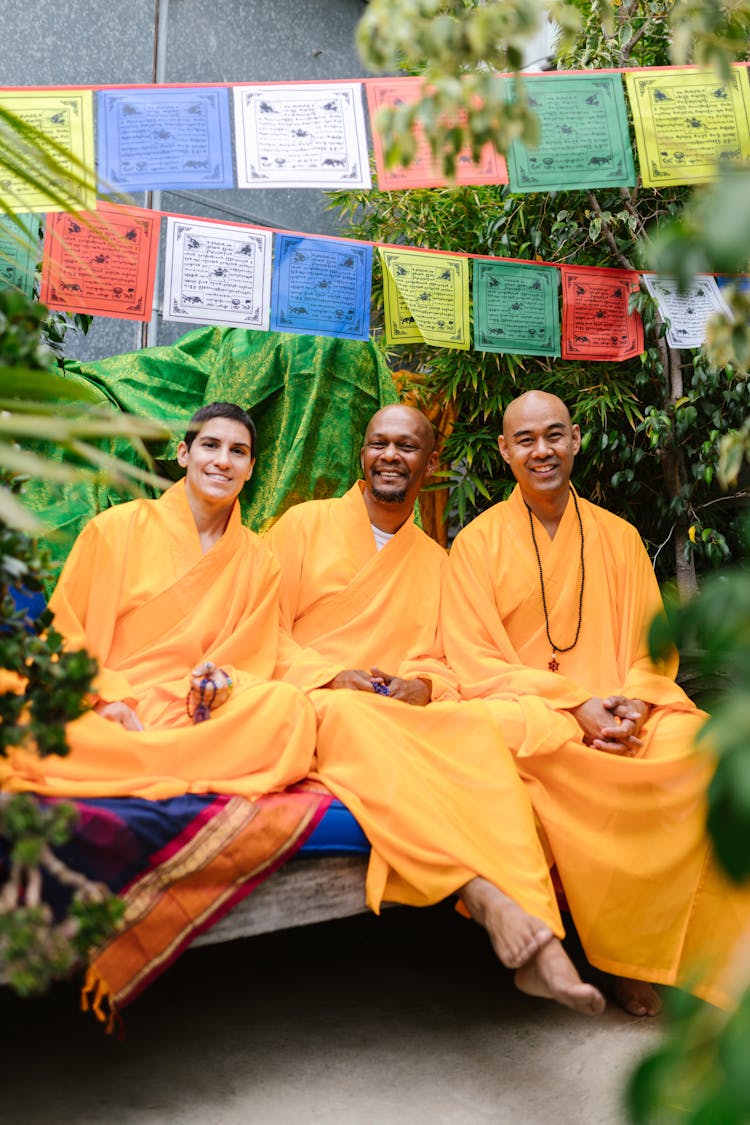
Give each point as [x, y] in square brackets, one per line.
[337, 834]
[30, 603]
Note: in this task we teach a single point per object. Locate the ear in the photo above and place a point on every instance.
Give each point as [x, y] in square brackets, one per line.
[432, 463]
[250, 470]
[183, 454]
[362, 459]
[502, 445]
[576, 438]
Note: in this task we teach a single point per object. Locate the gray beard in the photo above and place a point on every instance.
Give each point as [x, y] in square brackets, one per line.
[390, 497]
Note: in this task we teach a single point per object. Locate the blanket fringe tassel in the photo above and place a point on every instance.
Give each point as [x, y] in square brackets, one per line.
[96, 997]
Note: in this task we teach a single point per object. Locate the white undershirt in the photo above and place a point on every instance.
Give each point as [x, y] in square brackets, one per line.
[381, 537]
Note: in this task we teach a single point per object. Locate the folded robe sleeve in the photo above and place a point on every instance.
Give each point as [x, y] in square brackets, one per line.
[477, 644]
[85, 608]
[298, 664]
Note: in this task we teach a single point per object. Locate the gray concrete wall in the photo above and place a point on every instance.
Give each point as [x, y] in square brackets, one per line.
[103, 42]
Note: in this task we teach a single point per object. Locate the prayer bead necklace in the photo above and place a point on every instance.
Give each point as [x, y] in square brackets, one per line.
[554, 664]
[202, 712]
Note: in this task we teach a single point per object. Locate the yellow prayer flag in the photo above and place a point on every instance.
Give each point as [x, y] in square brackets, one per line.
[426, 298]
[687, 123]
[63, 124]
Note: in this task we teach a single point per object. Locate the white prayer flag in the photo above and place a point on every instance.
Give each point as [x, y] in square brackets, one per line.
[217, 273]
[301, 135]
[688, 313]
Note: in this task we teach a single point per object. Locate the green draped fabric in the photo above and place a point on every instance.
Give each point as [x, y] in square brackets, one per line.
[310, 396]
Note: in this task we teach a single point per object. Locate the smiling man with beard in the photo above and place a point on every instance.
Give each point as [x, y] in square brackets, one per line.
[429, 779]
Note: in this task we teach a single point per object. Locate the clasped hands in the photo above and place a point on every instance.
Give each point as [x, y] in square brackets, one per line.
[126, 716]
[612, 724]
[417, 692]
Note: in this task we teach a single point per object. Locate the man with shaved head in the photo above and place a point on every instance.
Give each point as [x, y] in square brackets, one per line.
[428, 778]
[547, 604]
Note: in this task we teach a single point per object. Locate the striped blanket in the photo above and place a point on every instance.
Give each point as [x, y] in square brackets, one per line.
[180, 865]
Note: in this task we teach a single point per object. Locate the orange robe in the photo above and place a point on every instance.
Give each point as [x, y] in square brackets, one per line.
[627, 834]
[434, 788]
[140, 595]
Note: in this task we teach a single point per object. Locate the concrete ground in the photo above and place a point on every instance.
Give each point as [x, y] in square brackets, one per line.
[404, 1019]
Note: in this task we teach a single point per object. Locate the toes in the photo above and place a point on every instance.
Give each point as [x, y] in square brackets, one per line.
[518, 955]
[596, 1003]
[637, 998]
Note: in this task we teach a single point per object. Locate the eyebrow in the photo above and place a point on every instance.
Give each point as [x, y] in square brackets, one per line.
[547, 429]
[388, 437]
[214, 437]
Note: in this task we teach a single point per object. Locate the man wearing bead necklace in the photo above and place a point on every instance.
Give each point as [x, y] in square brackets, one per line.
[547, 604]
[179, 603]
[429, 779]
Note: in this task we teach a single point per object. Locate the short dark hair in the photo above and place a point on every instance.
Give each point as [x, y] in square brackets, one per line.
[221, 410]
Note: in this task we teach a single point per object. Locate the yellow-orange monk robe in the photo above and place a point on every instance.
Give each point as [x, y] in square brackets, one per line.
[628, 834]
[434, 787]
[140, 595]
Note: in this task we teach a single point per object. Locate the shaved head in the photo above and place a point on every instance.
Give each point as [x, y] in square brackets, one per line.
[407, 416]
[533, 403]
[398, 454]
[539, 442]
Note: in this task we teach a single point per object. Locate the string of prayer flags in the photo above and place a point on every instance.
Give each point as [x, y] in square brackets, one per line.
[321, 287]
[66, 118]
[687, 123]
[101, 262]
[741, 283]
[424, 171]
[164, 138]
[687, 313]
[584, 140]
[426, 297]
[217, 273]
[516, 308]
[301, 135]
[19, 251]
[596, 321]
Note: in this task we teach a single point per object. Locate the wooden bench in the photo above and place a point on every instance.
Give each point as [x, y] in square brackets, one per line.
[303, 891]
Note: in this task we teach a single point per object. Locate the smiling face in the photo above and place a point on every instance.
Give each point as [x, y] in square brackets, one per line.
[397, 455]
[218, 462]
[540, 443]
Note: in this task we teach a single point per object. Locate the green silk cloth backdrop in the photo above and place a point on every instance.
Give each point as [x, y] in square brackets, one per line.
[310, 397]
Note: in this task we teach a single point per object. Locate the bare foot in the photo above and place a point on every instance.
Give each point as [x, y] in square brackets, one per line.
[552, 975]
[636, 996]
[515, 935]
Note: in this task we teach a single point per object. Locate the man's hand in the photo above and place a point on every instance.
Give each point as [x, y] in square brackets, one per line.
[352, 679]
[215, 692]
[119, 713]
[604, 729]
[417, 692]
[632, 710]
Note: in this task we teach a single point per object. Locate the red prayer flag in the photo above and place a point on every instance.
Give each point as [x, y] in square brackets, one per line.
[596, 323]
[101, 262]
[424, 171]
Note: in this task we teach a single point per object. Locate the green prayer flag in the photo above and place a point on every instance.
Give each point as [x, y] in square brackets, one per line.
[19, 251]
[584, 140]
[516, 308]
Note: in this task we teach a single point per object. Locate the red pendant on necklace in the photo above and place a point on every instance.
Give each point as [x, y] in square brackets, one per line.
[553, 664]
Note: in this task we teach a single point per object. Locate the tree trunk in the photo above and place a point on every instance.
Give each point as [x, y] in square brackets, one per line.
[675, 475]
